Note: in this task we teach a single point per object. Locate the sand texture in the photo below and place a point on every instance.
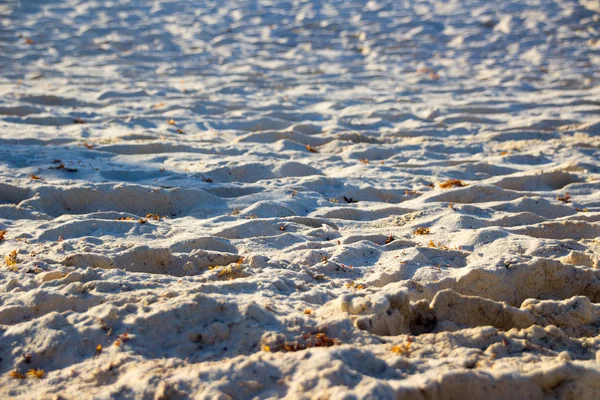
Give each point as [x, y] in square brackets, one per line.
[300, 199]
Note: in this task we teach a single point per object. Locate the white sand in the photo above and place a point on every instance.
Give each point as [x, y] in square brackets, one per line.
[277, 234]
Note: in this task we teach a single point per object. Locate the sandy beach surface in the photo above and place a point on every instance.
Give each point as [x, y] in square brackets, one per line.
[300, 199]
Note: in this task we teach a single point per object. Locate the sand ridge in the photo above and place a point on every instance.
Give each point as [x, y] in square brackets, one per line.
[300, 199]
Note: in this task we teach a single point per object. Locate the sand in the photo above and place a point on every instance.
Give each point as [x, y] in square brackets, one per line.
[300, 199]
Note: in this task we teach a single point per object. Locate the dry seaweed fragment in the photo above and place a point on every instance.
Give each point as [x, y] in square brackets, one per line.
[36, 373]
[122, 339]
[78, 121]
[98, 349]
[293, 346]
[104, 326]
[390, 239]
[2, 233]
[311, 149]
[410, 192]
[450, 183]
[363, 160]
[231, 271]
[564, 198]
[34, 177]
[437, 245]
[16, 374]
[403, 349]
[142, 221]
[354, 285]
[11, 259]
[87, 145]
[350, 200]
[421, 231]
[430, 73]
[62, 167]
[318, 339]
[342, 267]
